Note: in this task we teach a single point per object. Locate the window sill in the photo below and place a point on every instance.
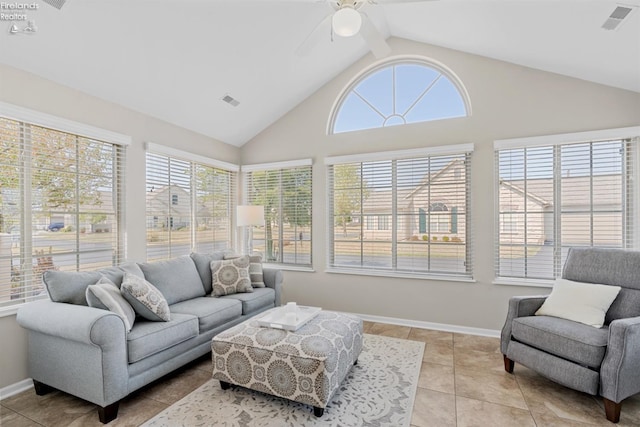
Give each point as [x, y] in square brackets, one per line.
[535, 283]
[285, 267]
[10, 310]
[399, 275]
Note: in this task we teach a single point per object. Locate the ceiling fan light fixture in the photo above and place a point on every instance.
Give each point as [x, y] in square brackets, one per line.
[346, 21]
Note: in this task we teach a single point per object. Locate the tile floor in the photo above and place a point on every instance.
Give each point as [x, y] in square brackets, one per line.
[462, 383]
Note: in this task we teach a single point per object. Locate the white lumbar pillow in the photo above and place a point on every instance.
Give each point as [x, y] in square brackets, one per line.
[581, 302]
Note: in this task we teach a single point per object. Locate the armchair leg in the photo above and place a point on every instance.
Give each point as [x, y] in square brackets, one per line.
[108, 413]
[612, 410]
[508, 364]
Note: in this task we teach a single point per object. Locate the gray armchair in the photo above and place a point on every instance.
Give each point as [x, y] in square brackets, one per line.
[603, 361]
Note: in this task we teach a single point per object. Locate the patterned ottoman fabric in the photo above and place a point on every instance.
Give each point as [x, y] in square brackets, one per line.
[305, 366]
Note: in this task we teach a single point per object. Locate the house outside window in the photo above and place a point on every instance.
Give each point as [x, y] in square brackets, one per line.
[403, 242]
[61, 200]
[560, 191]
[190, 203]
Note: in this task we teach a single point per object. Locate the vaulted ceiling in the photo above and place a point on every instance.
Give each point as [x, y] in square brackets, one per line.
[176, 59]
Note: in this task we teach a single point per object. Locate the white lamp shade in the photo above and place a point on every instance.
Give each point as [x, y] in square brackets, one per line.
[250, 215]
[346, 22]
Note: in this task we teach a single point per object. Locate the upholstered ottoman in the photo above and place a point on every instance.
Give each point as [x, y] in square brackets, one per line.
[305, 366]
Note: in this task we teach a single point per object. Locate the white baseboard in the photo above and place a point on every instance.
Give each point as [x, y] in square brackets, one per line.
[15, 388]
[429, 325]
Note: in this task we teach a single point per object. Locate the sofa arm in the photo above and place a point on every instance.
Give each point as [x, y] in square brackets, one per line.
[518, 307]
[620, 370]
[273, 279]
[77, 349]
[73, 322]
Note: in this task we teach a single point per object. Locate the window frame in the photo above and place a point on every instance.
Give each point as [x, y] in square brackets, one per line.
[391, 62]
[195, 162]
[393, 156]
[120, 142]
[246, 171]
[630, 208]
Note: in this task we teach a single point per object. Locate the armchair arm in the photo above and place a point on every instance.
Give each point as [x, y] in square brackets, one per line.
[273, 279]
[620, 370]
[518, 307]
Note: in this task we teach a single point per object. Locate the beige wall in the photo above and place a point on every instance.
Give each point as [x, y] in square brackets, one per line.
[508, 101]
[26, 90]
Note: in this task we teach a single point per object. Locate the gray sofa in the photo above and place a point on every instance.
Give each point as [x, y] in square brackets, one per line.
[599, 361]
[87, 352]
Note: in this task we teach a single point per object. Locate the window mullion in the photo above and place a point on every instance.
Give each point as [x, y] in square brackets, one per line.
[193, 203]
[26, 215]
[557, 211]
[77, 200]
[394, 214]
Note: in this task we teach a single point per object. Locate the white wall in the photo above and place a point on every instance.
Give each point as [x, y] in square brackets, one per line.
[29, 91]
[508, 101]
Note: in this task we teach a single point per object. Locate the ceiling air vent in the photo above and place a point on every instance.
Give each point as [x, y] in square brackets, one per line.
[231, 100]
[56, 3]
[616, 17]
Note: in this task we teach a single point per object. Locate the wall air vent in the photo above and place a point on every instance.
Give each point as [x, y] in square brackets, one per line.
[617, 16]
[231, 100]
[56, 3]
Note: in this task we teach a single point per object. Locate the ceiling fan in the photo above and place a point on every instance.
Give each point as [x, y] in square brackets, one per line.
[348, 19]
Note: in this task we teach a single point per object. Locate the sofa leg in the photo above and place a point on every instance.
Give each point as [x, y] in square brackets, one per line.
[612, 410]
[318, 411]
[108, 413]
[42, 388]
[508, 364]
[224, 385]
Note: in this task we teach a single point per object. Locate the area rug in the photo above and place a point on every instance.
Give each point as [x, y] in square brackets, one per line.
[379, 391]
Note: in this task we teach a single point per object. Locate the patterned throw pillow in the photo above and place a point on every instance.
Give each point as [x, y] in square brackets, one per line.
[106, 296]
[255, 269]
[230, 276]
[145, 298]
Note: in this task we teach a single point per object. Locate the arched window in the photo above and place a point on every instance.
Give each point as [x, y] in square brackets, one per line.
[398, 92]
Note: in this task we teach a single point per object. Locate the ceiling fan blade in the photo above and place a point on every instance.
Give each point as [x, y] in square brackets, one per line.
[321, 30]
[374, 39]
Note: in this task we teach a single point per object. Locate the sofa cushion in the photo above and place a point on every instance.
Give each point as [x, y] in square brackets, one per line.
[570, 340]
[148, 338]
[257, 300]
[145, 298]
[177, 278]
[211, 312]
[230, 276]
[106, 296]
[69, 286]
[203, 265]
[581, 302]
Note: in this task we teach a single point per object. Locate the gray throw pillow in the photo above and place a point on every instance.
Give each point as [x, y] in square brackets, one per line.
[231, 276]
[145, 298]
[255, 269]
[106, 296]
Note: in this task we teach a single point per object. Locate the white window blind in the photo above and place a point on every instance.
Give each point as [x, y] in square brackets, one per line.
[61, 204]
[189, 205]
[284, 189]
[406, 214]
[562, 194]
